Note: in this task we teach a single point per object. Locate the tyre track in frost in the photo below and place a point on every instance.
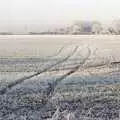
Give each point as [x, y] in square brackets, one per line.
[59, 51]
[19, 81]
[56, 54]
[51, 88]
[53, 85]
[52, 56]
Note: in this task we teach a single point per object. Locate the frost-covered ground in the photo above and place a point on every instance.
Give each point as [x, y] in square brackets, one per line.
[59, 78]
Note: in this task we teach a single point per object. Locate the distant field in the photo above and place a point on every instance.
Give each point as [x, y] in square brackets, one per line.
[51, 77]
[37, 46]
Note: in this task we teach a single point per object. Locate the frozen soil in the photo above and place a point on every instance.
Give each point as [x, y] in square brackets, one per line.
[80, 96]
[75, 83]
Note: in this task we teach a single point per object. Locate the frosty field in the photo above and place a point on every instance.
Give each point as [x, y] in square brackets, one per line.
[60, 77]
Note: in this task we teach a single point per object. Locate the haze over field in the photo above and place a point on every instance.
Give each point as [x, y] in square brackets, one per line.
[39, 14]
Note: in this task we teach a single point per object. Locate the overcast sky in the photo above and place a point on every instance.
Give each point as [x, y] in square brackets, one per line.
[57, 11]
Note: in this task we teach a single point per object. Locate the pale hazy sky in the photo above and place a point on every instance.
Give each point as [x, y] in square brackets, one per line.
[57, 11]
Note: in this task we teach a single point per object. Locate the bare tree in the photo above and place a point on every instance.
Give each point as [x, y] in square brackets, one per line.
[76, 28]
[116, 26]
[82, 27]
[96, 27]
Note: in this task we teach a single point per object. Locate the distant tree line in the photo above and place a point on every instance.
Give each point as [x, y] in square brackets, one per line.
[86, 27]
[80, 28]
